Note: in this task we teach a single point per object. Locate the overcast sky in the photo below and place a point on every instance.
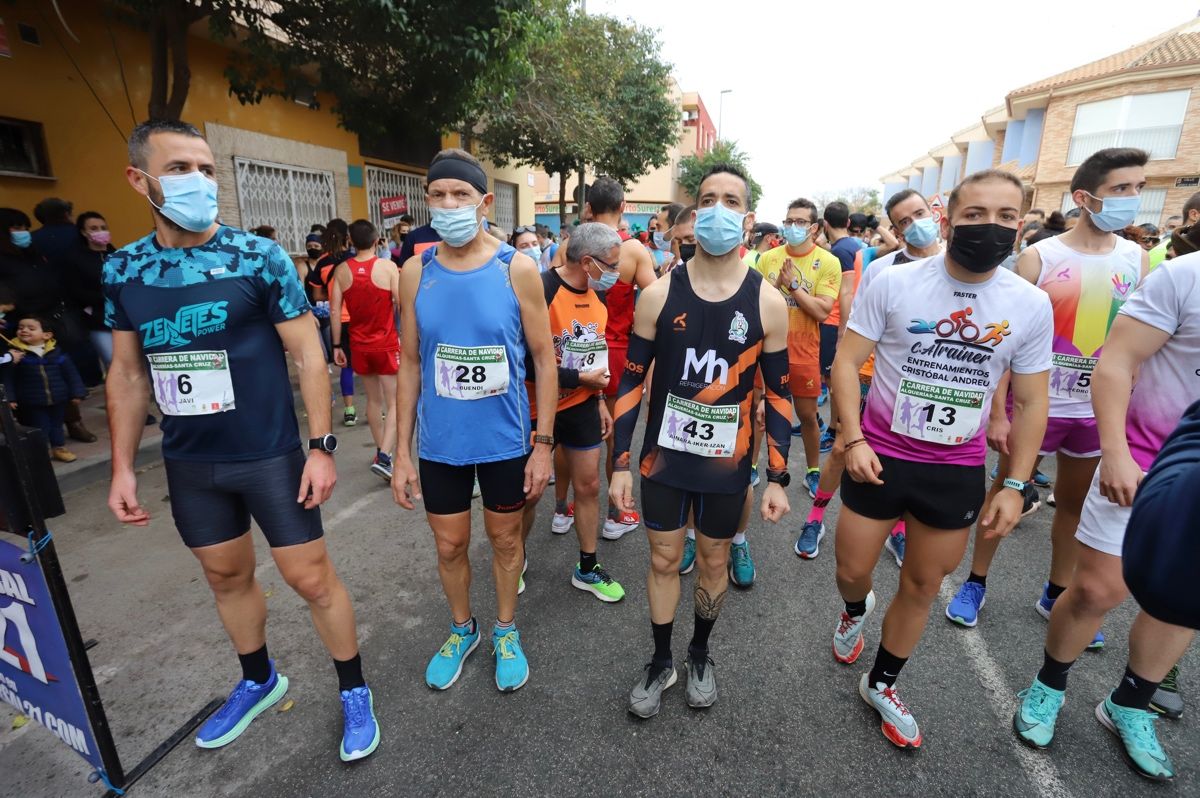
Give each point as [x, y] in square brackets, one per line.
[811, 81]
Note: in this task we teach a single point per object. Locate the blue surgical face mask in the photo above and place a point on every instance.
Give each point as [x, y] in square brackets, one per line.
[718, 229]
[795, 234]
[534, 252]
[189, 200]
[21, 238]
[660, 241]
[922, 232]
[456, 226]
[607, 280]
[1116, 213]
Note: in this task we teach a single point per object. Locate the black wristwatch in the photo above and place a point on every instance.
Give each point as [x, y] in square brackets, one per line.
[783, 478]
[326, 443]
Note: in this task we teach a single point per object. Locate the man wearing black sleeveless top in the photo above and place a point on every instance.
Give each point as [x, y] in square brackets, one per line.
[706, 329]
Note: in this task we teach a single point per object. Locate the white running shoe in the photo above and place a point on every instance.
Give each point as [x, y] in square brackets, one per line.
[896, 722]
[847, 637]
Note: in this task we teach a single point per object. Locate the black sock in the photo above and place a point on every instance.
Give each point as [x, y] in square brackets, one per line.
[1053, 591]
[856, 609]
[1134, 691]
[700, 634]
[560, 507]
[1054, 673]
[886, 668]
[256, 666]
[977, 579]
[349, 672]
[662, 645]
[587, 561]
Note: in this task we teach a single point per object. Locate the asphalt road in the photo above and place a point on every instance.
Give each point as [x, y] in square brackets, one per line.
[788, 722]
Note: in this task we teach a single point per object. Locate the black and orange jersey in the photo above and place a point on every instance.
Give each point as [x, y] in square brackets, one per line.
[705, 357]
[577, 323]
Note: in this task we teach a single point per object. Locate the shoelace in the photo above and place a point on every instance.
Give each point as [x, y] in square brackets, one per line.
[504, 645]
[603, 574]
[242, 688]
[356, 706]
[1140, 726]
[809, 533]
[845, 623]
[889, 694]
[451, 646]
[976, 590]
[738, 552]
[701, 666]
[1042, 704]
[1170, 682]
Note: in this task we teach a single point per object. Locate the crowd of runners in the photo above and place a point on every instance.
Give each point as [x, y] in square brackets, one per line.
[493, 368]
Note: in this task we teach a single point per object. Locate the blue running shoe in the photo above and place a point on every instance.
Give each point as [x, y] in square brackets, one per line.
[964, 608]
[811, 480]
[689, 556]
[1041, 480]
[824, 396]
[897, 542]
[360, 736]
[796, 431]
[1034, 719]
[808, 545]
[754, 478]
[512, 669]
[447, 664]
[1097, 643]
[1044, 606]
[247, 701]
[741, 566]
[381, 466]
[827, 441]
[1139, 740]
[995, 470]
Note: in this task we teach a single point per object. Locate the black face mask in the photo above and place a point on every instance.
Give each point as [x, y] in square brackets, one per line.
[314, 253]
[687, 251]
[979, 248]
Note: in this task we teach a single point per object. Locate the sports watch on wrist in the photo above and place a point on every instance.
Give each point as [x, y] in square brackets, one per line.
[1015, 484]
[795, 286]
[326, 443]
[782, 478]
[546, 439]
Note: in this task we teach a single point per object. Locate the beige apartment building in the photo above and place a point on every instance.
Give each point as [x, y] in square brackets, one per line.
[1146, 96]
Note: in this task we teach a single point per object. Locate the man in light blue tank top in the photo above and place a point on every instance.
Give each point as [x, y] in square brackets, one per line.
[471, 308]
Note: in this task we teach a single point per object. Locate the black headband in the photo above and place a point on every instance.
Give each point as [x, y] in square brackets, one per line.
[458, 169]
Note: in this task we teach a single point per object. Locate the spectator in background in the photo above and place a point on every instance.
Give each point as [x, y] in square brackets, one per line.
[1184, 241]
[862, 227]
[56, 237]
[763, 237]
[416, 241]
[549, 246]
[264, 231]
[525, 240]
[399, 231]
[1132, 233]
[86, 262]
[335, 248]
[1072, 217]
[1150, 236]
[1171, 225]
[43, 383]
[623, 226]
[318, 228]
[1190, 216]
[1056, 224]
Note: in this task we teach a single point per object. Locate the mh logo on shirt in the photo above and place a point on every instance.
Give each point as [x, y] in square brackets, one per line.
[190, 320]
[709, 363]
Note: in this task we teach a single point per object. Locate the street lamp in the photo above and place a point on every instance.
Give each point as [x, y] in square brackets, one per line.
[721, 110]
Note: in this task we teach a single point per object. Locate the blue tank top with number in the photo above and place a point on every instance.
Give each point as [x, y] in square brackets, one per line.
[469, 325]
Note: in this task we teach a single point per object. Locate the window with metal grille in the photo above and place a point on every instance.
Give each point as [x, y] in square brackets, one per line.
[506, 205]
[289, 198]
[1153, 202]
[389, 183]
[1152, 122]
[23, 148]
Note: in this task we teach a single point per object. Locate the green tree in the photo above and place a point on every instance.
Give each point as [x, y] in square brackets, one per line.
[860, 199]
[379, 59]
[693, 167]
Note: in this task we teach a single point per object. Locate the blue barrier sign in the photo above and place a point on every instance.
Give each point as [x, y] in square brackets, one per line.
[36, 676]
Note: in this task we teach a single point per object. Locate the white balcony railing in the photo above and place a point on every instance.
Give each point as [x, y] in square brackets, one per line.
[1161, 142]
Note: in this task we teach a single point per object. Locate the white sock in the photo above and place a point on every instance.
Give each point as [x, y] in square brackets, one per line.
[691, 534]
[739, 538]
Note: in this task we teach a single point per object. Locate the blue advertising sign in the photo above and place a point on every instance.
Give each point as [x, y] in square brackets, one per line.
[36, 676]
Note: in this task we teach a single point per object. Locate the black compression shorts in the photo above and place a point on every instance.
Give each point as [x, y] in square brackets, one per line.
[447, 488]
[665, 509]
[938, 495]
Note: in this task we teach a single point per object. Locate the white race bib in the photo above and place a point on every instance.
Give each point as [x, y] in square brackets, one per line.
[470, 372]
[192, 383]
[937, 413]
[585, 355]
[706, 430]
[1071, 377]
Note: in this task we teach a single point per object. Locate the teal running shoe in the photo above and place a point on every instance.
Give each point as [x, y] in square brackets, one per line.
[1139, 740]
[1034, 719]
[247, 701]
[812, 478]
[741, 566]
[512, 669]
[754, 477]
[360, 736]
[808, 545]
[689, 556]
[447, 664]
[964, 608]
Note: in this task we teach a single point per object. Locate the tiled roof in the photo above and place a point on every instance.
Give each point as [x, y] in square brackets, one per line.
[1180, 45]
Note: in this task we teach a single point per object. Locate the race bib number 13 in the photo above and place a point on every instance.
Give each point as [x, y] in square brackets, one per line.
[706, 430]
[470, 372]
[192, 383]
[937, 413]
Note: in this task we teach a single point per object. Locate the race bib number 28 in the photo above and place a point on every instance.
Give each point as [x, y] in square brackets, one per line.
[470, 372]
[937, 413]
[192, 383]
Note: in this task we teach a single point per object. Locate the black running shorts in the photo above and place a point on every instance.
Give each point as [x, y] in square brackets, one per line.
[214, 502]
[578, 427]
[447, 488]
[938, 495]
[665, 509]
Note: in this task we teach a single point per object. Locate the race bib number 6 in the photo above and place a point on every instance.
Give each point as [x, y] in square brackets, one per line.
[706, 430]
[937, 413]
[470, 372]
[192, 383]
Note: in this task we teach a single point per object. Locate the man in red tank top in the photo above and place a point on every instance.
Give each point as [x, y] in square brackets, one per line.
[370, 288]
[605, 204]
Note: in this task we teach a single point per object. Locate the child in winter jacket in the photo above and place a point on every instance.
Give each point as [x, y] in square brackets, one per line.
[42, 382]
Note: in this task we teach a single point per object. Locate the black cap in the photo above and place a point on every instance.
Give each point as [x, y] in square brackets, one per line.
[765, 228]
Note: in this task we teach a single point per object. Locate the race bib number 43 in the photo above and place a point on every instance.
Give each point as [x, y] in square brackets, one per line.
[585, 355]
[937, 413]
[706, 430]
[470, 372]
[192, 383]
[1071, 377]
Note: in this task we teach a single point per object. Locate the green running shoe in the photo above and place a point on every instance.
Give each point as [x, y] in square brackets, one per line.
[598, 583]
[1167, 700]
[1034, 719]
[1139, 740]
